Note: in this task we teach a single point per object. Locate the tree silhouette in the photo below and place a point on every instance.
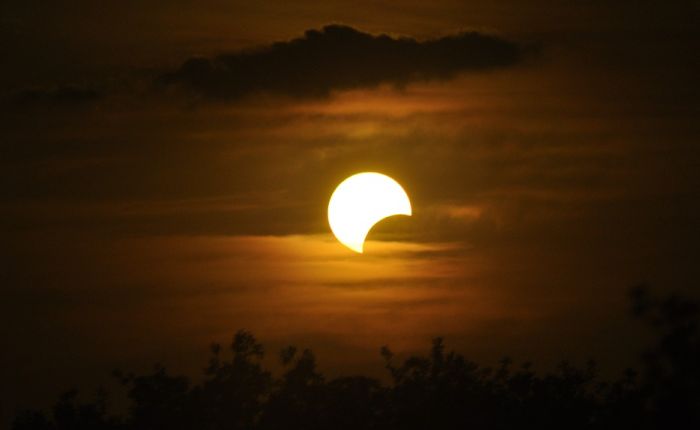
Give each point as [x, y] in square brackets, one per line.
[672, 367]
[441, 389]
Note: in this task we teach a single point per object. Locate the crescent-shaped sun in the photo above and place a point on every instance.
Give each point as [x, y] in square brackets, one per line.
[361, 201]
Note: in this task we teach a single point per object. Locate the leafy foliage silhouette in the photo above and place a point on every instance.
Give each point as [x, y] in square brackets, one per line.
[439, 390]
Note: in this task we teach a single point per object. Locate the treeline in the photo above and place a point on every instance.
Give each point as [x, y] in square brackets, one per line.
[441, 390]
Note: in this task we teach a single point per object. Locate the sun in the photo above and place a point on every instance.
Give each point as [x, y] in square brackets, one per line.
[361, 201]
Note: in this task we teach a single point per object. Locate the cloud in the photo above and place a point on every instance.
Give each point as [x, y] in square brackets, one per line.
[65, 95]
[340, 58]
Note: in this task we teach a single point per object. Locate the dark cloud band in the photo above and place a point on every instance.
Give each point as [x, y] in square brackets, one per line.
[61, 96]
[339, 58]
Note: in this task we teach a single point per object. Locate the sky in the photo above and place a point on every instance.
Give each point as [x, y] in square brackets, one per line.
[166, 170]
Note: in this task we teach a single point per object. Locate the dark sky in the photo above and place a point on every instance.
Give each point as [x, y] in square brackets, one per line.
[166, 168]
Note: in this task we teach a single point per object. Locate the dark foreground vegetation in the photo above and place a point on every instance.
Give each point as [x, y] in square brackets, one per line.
[441, 390]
